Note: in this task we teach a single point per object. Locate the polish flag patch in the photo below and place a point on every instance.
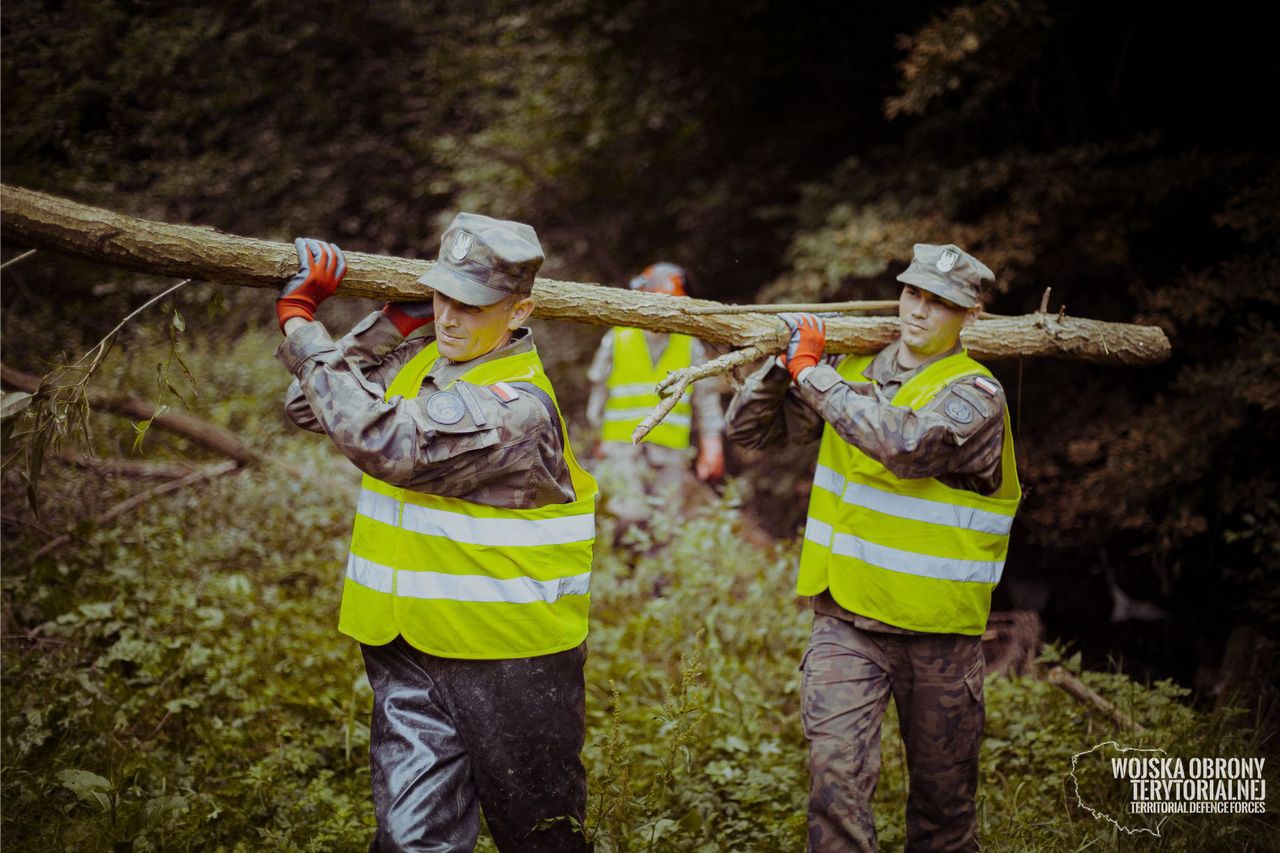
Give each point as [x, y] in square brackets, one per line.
[504, 392]
[986, 386]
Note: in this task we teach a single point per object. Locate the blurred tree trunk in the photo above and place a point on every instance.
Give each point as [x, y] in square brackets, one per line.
[47, 222]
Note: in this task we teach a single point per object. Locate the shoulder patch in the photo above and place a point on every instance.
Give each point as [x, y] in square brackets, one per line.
[504, 392]
[469, 400]
[959, 411]
[986, 386]
[445, 407]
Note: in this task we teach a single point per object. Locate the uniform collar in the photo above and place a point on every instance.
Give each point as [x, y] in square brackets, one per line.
[885, 369]
[444, 370]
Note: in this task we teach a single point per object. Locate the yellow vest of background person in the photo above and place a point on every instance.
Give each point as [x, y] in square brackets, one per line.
[912, 553]
[633, 391]
[465, 580]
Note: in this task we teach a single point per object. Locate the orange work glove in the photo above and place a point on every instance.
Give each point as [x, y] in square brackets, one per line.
[321, 268]
[710, 462]
[808, 337]
[409, 316]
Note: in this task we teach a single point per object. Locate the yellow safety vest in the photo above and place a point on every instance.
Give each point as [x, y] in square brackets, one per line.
[465, 580]
[912, 553]
[633, 391]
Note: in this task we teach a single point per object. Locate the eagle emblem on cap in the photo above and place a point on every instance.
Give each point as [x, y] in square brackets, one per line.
[947, 260]
[461, 245]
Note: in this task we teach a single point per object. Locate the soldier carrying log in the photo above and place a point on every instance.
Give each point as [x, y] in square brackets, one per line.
[913, 498]
[467, 582]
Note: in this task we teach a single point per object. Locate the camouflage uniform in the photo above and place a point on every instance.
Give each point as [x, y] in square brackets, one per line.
[635, 478]
[853, 663]
[449, 735]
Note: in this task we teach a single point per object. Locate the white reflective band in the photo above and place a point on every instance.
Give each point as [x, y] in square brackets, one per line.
[924, 565]
[478, 588]
[370, 574]
[633, 389]
[464, 587]
[934, 512]
[499, 532]
[496, 532]
[641, 414]
[828, 480]
[378, 507]
[642, 389]
[818, 531]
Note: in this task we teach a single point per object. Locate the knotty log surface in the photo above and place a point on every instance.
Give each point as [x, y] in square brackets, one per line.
[184, 251]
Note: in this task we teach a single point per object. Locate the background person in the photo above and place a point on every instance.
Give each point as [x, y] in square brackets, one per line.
[628, 364]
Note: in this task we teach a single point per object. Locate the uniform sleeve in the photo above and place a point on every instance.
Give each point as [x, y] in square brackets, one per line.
[959, 432]
[447, 442]
[598, 375]
[371, 347]
[707, 413]
[767, 411]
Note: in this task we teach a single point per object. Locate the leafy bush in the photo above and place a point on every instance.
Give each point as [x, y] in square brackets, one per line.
[176, 681]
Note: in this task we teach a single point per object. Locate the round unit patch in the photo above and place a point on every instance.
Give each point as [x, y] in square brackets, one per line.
[445, 407]
[958, 410]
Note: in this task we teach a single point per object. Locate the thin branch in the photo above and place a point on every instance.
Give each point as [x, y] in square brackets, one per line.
[675, 383]
[103, 346]
[812, 307]
[857, 306]
[28, 253]
[134, 467]
[141, 499]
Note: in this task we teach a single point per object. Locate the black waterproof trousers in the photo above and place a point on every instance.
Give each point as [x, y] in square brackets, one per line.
[450, 738]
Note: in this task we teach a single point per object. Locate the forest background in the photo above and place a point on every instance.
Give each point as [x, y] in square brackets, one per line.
[173, 680]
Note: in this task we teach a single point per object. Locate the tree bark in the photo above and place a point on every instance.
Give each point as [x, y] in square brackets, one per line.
[183, 251]
[210, 436]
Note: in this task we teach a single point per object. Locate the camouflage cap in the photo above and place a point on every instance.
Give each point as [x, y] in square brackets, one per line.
[483, 260]
[948, 271]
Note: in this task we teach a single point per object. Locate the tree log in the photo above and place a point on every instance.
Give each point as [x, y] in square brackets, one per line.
[42, 221]
[207, 435]
[1083, 693]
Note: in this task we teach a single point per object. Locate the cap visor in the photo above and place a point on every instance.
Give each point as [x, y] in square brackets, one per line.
[938, 287]
[460, 288]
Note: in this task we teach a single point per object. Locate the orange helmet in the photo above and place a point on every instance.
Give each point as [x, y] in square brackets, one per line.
[662, 278]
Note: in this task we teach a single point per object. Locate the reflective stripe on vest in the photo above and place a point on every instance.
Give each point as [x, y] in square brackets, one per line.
[633, 391]
[912, 553]
[467, 580]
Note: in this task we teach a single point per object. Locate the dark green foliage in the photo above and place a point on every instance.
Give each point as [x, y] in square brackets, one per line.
[174, 680]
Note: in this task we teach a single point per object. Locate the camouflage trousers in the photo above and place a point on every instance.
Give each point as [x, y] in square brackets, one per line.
[450, 738]
[638, 480]
[936, 683]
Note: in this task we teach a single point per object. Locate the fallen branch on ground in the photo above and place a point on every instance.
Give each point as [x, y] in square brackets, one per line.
[210, 436]
[1059, 677]
[207, 473]
[140, 468]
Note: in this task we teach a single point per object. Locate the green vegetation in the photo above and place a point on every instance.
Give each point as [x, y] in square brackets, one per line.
[175, 681]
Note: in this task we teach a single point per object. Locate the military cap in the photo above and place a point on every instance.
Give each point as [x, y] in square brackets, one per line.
[484, 260]
[948, 271]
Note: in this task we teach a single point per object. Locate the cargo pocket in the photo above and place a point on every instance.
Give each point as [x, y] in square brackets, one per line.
[974, 711]
[804, 692]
